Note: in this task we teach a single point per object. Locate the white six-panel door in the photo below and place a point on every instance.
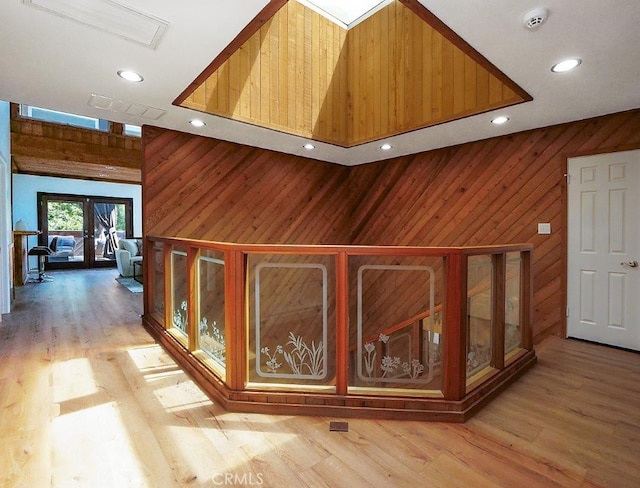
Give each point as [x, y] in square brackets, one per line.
[603, 249]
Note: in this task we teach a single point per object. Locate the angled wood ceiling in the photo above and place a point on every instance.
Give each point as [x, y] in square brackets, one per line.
[402, 69]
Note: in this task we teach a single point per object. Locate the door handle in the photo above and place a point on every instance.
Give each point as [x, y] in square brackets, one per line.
[631, 264]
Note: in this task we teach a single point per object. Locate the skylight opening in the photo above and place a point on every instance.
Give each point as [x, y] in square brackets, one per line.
[346, 14]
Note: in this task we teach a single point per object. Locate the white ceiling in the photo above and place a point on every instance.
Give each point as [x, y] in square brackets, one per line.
[53, 62]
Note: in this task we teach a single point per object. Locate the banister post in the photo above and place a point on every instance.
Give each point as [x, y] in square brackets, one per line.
[192, 297]
[149, 286]
[455, 326]
[168, 285]
[498, 294]
[342, 323]
[235, 327]
[526, 308]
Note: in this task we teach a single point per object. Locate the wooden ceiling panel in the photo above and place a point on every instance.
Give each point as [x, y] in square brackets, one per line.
[400, 70]
[290, 76]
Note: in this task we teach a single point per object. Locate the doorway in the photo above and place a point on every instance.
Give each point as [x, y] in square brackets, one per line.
[603, 281]
[83, 231]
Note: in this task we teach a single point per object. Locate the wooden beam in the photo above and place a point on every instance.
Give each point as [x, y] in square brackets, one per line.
[50, 149]
[94, 149]
[76, 169]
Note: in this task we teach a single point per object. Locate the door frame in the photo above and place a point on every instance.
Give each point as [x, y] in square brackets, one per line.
[88, 201]
[564, 196]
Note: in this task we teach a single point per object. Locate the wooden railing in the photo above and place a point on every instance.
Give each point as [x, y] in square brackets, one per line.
[402, 332]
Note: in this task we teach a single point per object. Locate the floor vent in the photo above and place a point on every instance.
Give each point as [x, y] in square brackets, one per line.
[338, 426]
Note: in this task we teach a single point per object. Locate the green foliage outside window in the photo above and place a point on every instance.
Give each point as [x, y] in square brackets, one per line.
[120, 217]
[65, 216]
[69, 216]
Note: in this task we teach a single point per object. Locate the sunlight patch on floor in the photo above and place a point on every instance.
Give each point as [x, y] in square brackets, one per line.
[72, 379]
[91, 447]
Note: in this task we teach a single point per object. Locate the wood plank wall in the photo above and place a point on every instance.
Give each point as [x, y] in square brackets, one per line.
[215, 190]
[487, 192]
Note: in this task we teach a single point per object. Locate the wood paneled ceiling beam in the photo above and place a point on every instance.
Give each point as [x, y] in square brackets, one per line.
[51, 149]
[76, 170]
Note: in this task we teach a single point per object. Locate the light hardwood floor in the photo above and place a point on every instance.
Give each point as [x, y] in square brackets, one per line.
[87, 399]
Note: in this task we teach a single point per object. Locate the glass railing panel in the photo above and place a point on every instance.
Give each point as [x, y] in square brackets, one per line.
[156, 278]
[512, 312]
[211, 318]
[395, 341]
[292, 320]
[480, 276]
[179, 292]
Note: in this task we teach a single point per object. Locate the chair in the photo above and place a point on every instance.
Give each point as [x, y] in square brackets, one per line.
[62, 248]
[42, 252]
[128, 252]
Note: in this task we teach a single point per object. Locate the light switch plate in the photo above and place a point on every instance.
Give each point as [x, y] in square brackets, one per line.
[544, 228]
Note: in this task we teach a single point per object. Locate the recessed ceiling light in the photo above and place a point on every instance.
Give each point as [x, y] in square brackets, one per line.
[501, 119]
[386, 147]
[566, 65]
[130, 75]
[197, 123]
[308, 146]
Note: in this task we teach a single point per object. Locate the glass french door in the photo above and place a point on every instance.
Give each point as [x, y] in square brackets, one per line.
[83, 231]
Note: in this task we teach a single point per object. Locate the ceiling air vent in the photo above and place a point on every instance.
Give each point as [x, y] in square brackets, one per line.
[123, 107]
[108, 16]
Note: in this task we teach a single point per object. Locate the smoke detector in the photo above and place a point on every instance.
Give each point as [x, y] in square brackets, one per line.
[533, 19]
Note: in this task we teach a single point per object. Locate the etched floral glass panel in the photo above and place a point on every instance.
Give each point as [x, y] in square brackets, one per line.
[396, 341]
[292, 319]
[480, 278]
[512, 312]
[211, 324]
[179, 279]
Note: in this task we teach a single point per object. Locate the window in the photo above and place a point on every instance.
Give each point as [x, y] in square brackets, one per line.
[63, 118]
[132, 130]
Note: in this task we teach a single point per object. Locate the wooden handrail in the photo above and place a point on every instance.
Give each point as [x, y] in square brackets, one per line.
[356, 250]
[401, 325]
